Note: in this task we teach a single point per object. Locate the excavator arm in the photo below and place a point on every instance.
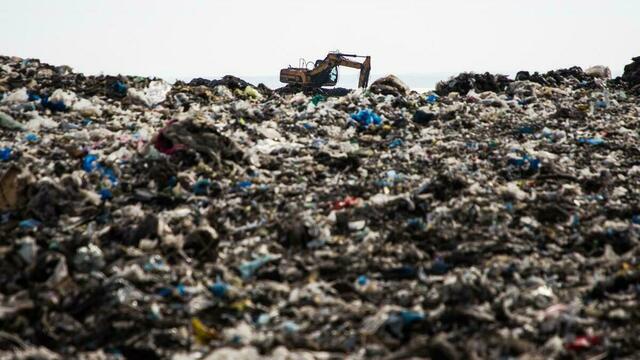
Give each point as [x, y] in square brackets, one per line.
[336, 59]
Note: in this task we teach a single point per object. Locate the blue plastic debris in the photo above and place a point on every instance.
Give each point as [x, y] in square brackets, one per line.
[32, 138]
[290, 327]
[5, 153]
[410, 317]
[525, 163]
[392, 177]
[526, 130]
[601, 104]
[29, 224]
[636, 219]
[317, 143]
[109, 174]
[89, 162]
[416, 224]
[105, 194]
[431, 99]
[508, 206]
[245, 184]
[534, 164]
[219, 289]
[86, 122]
[591, 141]
[33, 96]
[366, 118]
[439, 266]
[472, 145]
[398, 324]
[249, 268]
[156, 263]
[181, 289]
[53, 105]
[201, 187]
[362, 280]
[395, 143]
[120, 87]
[575, 220]
[165, 291]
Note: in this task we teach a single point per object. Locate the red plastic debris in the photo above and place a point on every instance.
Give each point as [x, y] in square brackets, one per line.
[583, 342]
[165, 145]
[349, 201]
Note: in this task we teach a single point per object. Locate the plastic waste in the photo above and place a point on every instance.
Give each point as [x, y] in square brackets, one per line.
[90, 163]
[583, 342]
[348, 201]
[525, 163]
[316, 99]
[32, 138]
[17, 96]
[202, 333]
[599, 71]
[7, 122]
[247, 269]
[89, 258]
[201, 187]
[152, 95]
[432, 98]
[591, 141]
[423, 116]
[86, 108]
[399, 324]
[366, 118]
[61, 99]
[395, 143]
[120, 87]
[30, 224]
[251, 92]
[5, 153]
[219, 289]
[389, 85]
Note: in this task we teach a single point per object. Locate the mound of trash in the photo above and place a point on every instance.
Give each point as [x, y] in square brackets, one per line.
[491, 218]
[632, 75]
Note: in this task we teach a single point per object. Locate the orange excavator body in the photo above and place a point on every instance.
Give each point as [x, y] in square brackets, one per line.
[325, 72]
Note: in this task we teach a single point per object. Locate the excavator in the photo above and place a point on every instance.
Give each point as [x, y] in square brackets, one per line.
[325, 72]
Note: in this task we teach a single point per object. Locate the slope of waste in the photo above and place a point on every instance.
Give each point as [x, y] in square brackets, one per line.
[493, 218]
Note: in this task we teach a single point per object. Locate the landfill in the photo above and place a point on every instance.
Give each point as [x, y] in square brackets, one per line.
[492, 218]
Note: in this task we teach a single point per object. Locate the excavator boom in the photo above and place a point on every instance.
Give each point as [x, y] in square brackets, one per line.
[325, 72]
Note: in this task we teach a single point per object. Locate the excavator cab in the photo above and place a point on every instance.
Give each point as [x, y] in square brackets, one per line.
[325, 71]
[328, 77]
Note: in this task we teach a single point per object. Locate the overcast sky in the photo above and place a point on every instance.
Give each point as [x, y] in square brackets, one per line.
[256, 37]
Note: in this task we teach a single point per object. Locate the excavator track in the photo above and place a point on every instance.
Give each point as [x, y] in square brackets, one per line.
[290, 89]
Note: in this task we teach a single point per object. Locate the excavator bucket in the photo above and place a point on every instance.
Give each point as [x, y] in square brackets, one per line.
[363, 81]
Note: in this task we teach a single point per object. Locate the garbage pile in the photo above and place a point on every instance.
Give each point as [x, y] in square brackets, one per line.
[632, 75]
[494, 218]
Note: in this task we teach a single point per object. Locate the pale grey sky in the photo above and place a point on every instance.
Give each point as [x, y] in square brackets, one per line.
[257, 37]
